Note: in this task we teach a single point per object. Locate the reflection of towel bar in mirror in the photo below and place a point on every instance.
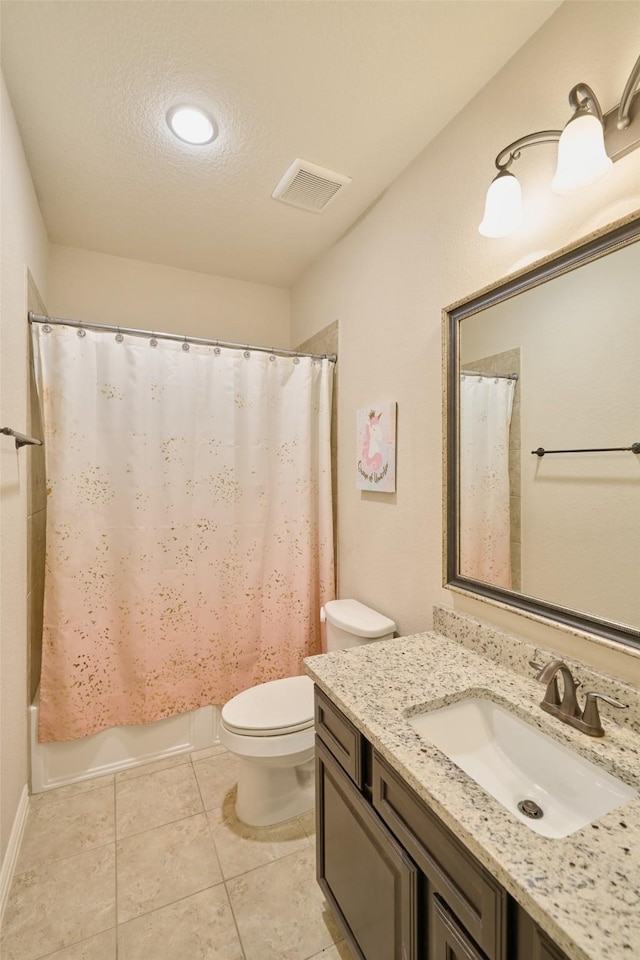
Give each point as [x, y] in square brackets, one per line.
[634, 448]
[20, 438]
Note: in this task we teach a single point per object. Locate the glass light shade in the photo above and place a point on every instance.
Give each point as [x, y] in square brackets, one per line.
[582, 158]
[191, 125]
[503, 207]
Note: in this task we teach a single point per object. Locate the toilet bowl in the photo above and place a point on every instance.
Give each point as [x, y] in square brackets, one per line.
[270, 727]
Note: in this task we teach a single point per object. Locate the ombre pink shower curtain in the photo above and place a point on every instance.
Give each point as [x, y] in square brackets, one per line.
[189, 524]
[486, 404]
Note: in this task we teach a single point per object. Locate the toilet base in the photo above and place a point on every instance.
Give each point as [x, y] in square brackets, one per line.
[270, 794]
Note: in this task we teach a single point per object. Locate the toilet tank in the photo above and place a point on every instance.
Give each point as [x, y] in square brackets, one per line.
[351, 623]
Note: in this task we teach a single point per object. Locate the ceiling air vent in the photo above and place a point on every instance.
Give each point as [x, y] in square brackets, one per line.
[309, 186]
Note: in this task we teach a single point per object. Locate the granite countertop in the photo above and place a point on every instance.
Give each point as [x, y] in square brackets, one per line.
[584, 889]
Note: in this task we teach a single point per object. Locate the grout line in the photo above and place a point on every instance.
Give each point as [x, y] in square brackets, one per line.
[235, 920]
[224, 879]
[159, 826]
[187, 896]
[43, 864]
[45, 956]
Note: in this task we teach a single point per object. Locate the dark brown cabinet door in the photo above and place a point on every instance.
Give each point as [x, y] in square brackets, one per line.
[448, 940]
[365, 875]
[530, 943]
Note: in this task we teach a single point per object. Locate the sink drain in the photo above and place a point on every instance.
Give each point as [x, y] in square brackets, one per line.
[531, 809]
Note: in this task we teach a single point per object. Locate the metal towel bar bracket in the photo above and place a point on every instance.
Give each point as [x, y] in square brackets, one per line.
[634, 448]
[20, 438]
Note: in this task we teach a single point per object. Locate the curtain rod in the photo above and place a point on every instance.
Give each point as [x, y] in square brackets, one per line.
[200, 341]
[489, 376]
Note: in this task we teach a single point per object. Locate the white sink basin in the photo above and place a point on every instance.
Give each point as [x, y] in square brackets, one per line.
[513, 761]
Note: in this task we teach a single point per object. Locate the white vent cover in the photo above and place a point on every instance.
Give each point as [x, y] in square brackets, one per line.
[308, 186]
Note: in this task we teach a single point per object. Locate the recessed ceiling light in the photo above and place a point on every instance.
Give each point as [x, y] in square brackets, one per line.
[192, 125]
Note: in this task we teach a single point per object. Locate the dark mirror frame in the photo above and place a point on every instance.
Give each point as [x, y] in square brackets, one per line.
[606, 241]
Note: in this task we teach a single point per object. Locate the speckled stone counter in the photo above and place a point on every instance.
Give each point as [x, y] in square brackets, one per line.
[583, 890]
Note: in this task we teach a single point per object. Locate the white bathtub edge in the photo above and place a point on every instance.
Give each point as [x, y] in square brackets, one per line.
[119, 748]
[13, 849]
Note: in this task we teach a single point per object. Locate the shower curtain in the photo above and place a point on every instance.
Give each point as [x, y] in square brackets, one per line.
[189, 524]
[485, 416]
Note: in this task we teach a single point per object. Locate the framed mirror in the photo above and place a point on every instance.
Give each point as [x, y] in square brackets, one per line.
[542, 438]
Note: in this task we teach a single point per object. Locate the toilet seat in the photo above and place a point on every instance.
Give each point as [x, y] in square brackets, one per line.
[271, 709]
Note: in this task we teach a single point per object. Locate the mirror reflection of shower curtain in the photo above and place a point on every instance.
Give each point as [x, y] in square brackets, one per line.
[189, 524]
[485, 416]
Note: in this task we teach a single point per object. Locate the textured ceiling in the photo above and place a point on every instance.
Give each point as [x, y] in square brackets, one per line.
[358, 87]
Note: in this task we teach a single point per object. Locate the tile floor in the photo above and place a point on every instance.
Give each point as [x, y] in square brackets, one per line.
[152, 864]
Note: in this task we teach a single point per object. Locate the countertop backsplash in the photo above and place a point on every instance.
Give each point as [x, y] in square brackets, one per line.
[516, 654]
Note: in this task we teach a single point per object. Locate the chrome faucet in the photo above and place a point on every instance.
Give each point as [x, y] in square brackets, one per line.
[568, 709]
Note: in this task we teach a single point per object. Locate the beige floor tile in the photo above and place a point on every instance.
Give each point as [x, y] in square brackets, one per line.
[338, 952]
[153, 799]
[216, 776]
[153, 766]
[308, 821]
[83, 786]
[200, 927]
[60, 825]
[241, 848]
[58, 904]
[206, 752]
[280, 910]
[102, 947]
[165, 864]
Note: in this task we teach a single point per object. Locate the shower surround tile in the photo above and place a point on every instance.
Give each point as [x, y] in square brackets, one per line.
[154, 799]
[241, 848]
[60, 827]
[165, 864]
[280, 910]
[199, 926]
[59, 904]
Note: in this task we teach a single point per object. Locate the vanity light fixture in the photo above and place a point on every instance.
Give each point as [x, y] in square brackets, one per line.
[582, 158]
[587, 147]
[192, 125]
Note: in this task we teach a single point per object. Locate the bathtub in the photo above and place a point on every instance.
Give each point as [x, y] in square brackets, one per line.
[59, 764]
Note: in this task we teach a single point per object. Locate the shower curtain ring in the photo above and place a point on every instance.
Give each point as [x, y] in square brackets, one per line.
[185, 345]
[81, 331]
[153, 342]
[119, 337]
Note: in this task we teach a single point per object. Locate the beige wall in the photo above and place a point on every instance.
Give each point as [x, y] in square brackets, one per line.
[98, 288]
[418, 250]
[580, 343]
[24, 247]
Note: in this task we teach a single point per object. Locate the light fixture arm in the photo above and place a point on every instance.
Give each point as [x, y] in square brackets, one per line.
[630, 88]
[512, 152]
[582, 98]
[587, 148]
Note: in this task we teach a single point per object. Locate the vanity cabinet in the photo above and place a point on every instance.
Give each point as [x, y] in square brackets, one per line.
[400, 883]
[368, 879]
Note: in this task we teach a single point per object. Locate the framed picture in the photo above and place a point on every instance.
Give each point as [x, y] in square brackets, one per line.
[376, 448]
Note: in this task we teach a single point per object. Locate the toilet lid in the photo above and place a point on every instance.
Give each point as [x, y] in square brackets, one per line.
[358, 619]
[276, 707]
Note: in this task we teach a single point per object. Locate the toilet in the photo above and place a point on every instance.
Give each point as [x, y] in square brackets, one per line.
[270, 727]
